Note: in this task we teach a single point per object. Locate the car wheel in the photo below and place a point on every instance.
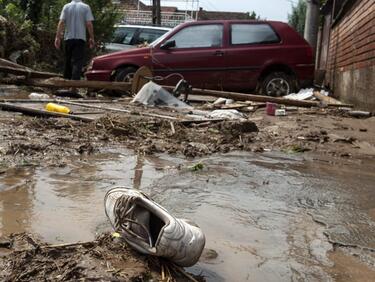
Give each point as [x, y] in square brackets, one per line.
[125, 74]
[278, 84]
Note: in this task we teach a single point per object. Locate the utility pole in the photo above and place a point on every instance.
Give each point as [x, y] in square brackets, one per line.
[156, 12]
[312, 22]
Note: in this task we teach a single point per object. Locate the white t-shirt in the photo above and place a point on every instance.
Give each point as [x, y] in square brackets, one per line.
[75, 15]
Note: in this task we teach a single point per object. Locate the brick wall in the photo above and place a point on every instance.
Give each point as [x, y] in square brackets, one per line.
[351, 55]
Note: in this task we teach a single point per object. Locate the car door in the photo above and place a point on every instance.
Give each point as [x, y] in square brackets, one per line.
[251, 45]
[198, 56]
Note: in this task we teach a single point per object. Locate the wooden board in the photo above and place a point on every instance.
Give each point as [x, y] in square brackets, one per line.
[140, 79]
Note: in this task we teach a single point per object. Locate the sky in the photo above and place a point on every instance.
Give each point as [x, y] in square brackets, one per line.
[269, 9]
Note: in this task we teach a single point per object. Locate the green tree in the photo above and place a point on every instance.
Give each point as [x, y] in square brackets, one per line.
[297, 18]
[253, 16]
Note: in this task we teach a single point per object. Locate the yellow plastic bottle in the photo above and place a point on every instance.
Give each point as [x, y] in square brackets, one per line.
[52, 107]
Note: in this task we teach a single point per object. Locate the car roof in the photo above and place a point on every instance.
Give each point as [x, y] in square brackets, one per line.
[144, 26]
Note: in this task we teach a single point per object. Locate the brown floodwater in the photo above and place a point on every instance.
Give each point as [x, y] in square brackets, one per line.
[267, 217]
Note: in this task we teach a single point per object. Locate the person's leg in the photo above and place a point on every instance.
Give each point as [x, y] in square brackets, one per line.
[78, 59]
[68, 59]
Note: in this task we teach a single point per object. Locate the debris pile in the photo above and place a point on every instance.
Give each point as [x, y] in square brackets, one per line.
[24, 258]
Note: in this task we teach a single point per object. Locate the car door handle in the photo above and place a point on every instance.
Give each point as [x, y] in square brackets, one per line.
[219, 53]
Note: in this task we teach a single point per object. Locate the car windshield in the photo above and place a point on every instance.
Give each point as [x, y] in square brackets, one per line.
[123, 35]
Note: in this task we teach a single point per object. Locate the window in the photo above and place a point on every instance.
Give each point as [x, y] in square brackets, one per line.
[123, 35]
[149, 35]
[253, 34]
[199, 36]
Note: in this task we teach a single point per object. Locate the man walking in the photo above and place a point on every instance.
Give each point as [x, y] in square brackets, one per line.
[75, 18]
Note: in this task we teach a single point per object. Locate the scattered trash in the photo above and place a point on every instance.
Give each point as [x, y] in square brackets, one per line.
[280, 112]
[271, 108]
[291, 109]
[220, 101]
[359, 114]
[303, 94]
[150, 229]
[38, 96]
[52, 107]
[226, 114]
[154, 95]
[116, 235]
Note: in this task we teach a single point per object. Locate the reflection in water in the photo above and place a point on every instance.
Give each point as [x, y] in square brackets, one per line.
[17, 188]
[252, 208]
[138, 171]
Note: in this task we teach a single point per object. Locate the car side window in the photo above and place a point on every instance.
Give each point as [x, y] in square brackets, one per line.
[123, 35]
[198, 36]
[149, 35]
[253, 34]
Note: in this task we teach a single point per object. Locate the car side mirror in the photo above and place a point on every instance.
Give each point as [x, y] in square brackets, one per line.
[168, 45]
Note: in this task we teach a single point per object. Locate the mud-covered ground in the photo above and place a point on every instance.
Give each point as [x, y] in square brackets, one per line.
[51, 141]
[24, 258]
[286, 213]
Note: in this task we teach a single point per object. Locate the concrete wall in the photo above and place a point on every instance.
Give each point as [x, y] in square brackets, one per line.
[351, 56]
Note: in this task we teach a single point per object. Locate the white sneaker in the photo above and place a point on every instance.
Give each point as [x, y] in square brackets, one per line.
[150, 229]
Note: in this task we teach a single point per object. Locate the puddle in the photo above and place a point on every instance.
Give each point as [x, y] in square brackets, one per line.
[254, 209]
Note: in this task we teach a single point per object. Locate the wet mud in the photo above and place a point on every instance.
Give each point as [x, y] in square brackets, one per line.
[267, 217]
[101, 260]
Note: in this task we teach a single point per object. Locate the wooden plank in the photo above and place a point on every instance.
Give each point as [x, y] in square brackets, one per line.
[62, 83]
[36, 101]
[13, 68]
[259, 98]
[42, 113]
[140, 79]
[138, 113]
[325, 99]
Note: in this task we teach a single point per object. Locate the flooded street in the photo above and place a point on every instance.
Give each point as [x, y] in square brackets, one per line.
[267, 217]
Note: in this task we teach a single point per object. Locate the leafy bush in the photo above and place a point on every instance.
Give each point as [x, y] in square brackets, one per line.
[36, 20]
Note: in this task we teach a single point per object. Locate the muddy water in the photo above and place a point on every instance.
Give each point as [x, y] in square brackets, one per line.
[266, 217]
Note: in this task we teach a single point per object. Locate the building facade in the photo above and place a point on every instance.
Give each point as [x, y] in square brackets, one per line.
[347, 50]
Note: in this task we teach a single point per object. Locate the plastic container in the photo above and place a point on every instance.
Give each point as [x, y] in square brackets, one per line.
[271, 108]
[52, 107]
[280, 112]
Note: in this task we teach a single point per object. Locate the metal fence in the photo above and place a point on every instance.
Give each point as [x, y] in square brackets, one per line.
[169, 19]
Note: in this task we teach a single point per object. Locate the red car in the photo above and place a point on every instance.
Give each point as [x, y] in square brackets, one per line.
[267, 56]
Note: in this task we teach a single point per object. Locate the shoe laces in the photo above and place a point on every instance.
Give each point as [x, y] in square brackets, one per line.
[124, 218]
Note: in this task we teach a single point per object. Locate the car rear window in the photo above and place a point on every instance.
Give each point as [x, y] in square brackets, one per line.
[123, 35]
[253, 34]
[198, 36]
[149, 35]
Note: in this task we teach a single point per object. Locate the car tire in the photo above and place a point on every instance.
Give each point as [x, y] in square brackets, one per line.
[124, 74]
[277, 84]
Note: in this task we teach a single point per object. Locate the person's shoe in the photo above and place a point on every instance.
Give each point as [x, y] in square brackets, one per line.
[150, 229]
